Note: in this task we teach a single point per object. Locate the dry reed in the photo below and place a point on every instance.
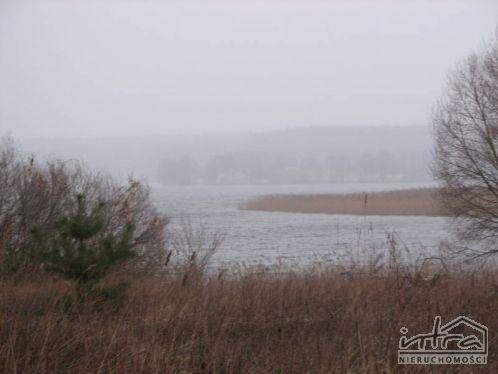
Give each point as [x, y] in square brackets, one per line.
[414, 202]
[314, 321]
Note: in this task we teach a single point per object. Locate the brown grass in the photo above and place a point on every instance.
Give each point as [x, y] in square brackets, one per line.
[323, 321]
[412, 202]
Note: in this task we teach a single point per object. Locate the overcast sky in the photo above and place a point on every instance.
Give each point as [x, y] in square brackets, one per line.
[99, 68]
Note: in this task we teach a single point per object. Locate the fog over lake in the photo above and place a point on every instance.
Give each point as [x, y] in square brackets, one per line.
[302, 155]
[215, 102]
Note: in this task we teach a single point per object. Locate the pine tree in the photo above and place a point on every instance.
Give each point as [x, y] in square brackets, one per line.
[79, 251]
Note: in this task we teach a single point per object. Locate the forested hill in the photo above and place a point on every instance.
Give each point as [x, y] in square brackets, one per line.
[299, 155]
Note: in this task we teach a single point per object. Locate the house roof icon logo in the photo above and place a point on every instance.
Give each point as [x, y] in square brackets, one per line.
[447, 340]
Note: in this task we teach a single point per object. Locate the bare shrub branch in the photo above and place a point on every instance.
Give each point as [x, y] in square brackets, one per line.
[193, 248]
[34, 195]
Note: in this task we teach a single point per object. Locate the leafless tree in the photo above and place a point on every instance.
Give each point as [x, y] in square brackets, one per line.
[466, 148]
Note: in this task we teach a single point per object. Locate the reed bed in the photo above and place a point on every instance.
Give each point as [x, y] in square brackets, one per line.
[412, 202]
[319, 320]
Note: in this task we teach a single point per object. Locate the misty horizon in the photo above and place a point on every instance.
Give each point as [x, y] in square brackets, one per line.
[300, 155]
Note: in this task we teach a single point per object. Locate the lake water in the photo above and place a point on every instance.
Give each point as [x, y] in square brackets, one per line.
[267, 237]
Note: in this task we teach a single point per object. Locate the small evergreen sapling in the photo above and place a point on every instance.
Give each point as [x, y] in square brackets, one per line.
[78, 250]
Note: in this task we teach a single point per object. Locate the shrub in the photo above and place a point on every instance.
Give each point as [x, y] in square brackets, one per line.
[37, 195]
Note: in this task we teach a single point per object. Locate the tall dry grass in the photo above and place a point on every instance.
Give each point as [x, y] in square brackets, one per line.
[320, 320]
[413, 202]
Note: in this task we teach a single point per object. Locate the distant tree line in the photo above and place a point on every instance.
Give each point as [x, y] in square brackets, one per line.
[253, 168]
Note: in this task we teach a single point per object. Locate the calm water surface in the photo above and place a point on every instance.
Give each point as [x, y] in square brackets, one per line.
[268, 237]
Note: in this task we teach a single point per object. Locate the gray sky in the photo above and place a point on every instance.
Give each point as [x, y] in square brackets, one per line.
[99, 68]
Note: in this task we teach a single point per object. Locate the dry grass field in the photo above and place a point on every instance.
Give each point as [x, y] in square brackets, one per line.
[313, 321]
[413, 202]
